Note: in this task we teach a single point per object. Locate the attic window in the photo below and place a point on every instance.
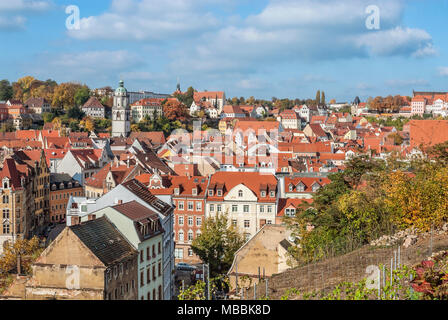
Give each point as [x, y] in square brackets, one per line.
[219, 193]
[263, 193]
[195, 191]
[240, 193]
[210, 193]
[176, 191]
[5, 183]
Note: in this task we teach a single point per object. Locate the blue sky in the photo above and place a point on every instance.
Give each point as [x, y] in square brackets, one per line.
[261, 48]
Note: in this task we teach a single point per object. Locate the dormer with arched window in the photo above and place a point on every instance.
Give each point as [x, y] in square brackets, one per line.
[6, 183]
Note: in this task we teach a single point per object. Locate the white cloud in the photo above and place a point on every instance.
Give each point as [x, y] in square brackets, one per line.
[443, 71]
[146, 20]
[12, 23]
[13, 12]
[24, 5]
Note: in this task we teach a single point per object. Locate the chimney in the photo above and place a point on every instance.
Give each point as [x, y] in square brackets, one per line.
[120, 201]
[127, 163]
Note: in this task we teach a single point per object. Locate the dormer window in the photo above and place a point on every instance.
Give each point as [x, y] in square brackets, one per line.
[210, 193]
[316, 187]
[5, 183]
[291, 188]
[219, 193]
[272, 194]
[194, 191]
[263, 194]
[176, 191]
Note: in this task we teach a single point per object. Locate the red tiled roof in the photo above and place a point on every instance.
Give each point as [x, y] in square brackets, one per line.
[255, 181]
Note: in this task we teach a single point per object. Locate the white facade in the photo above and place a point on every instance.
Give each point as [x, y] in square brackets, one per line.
[121, 113]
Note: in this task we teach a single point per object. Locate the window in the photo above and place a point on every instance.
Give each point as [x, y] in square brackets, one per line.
[198, 221]
[190, 235]
[153, 272]
[234, 222]
[240, 193]
[269, 209]
[190, 252]
[219, 208]
[159, 247]
[190, 221]
[179, 253]
[5, 199]
[291, 188]
[290, 212]
[212, 208]
[6, 228]
[263, 194]
[181, 220]
[272, 194]
[246, 223]
[181, 236]
[190, 206]
[148, 256]
[181, 205]
[261, 209]
[5, 213]
[301, 187]
[234, 208]
[210, 193]
[198, 206]
[246, 208]
[142, 280]
[269, 221]
[219, 193]
[160, 269]
[148, 275]
[194, 192]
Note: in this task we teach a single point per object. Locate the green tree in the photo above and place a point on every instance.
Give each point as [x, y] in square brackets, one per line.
[6, 91]
[75, 113]
[81, 96]
[217, 244]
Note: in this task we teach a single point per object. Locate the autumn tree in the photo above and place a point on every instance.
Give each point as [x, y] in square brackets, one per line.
[322, 100]
[175, 110]
[28, 250]
[64, 95]
[88, 124]
[217, 244]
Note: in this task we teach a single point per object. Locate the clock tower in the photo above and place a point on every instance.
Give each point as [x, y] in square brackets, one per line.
[121, 122]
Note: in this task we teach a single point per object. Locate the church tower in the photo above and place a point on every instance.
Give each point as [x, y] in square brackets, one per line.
[121, 122]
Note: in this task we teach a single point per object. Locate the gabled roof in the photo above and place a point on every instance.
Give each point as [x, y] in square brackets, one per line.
[104, 241]
[93, 102]
[140, 190]
[10, 171]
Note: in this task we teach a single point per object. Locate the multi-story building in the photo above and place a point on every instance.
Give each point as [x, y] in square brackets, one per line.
[62, 187]
[129, 191]
[146, 107]
[94, 109]
[215, 98]
[188, 194]
[142, 228]
[83, 163]
[290, 119]
[418, 105]
[38, 105]
[248, 199]
[40, 185]
[16, 218]
[89, 261]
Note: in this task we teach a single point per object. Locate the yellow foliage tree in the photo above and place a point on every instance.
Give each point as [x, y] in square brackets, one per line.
[420, 201]
[28, 250]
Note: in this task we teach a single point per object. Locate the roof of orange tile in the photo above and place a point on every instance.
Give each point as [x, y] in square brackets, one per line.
[256, 125]
[208, 95]
[428, 132]
[290, 203]
[119, 174]
[308, 182]
[27, 134]
[255, 181]
[10, 171]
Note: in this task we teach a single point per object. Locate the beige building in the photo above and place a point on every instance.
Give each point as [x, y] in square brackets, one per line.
[264, 255]
[79, 266]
